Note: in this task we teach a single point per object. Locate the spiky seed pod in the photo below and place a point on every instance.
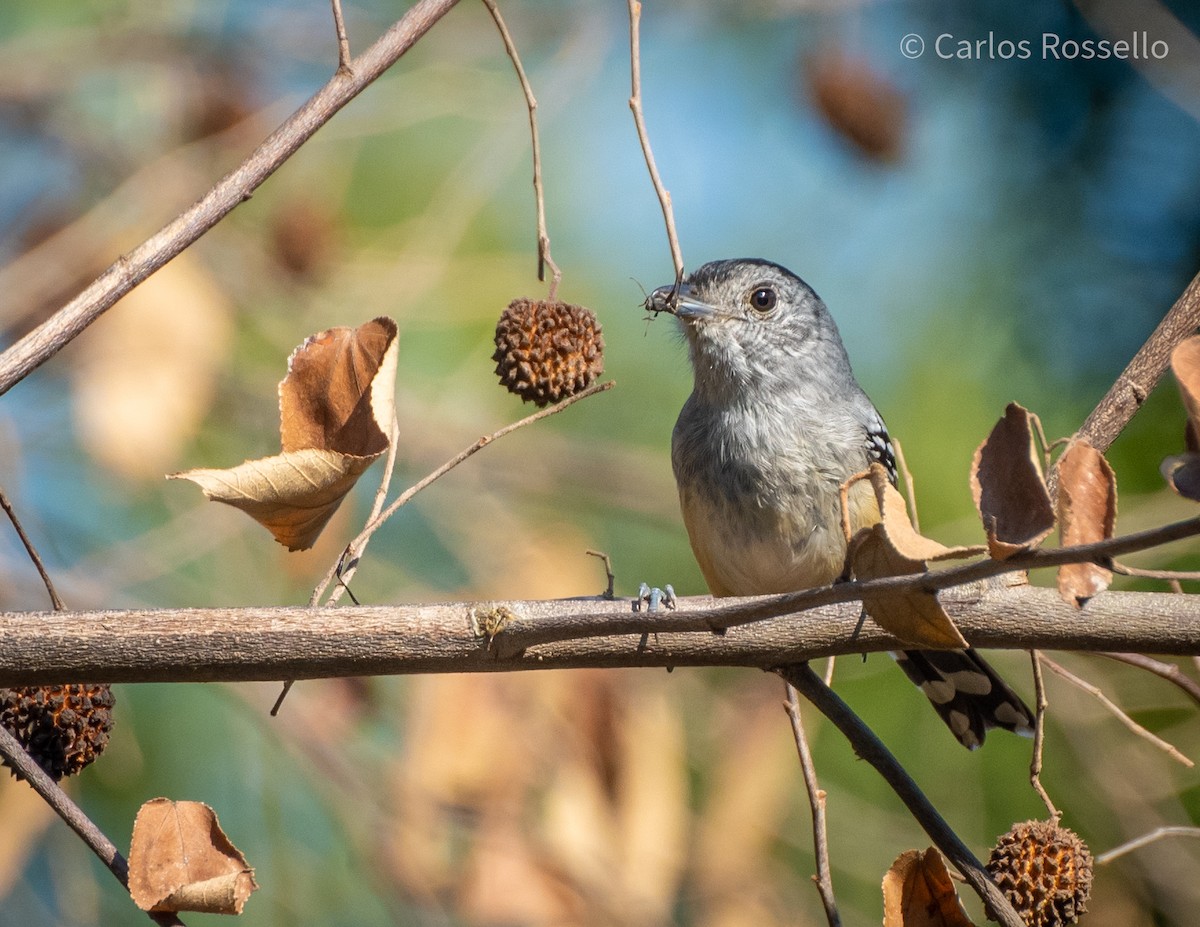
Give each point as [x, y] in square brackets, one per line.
[64, 728]
[1045, 871]
[547, 351]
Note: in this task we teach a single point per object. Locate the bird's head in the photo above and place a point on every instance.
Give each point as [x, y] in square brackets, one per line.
[751, 322]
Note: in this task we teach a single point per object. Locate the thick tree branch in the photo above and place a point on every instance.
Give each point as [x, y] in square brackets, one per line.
[870, 748]
[241, 644]
[570, 627]
[236, 187]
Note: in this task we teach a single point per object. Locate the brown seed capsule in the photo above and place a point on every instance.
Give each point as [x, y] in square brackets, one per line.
[547, 351]
[64, 728]
[1045, 871]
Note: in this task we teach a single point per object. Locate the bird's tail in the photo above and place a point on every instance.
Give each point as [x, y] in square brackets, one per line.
[967, 693]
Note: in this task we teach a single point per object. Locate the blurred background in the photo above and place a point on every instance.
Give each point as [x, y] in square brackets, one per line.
[985, 228]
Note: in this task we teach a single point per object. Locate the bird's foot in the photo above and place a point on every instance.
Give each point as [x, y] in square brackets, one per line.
[653, 597]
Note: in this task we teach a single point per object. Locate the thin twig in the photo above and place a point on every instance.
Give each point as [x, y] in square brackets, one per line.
[33, 554]
[544, 259]
[1138, 842]
[608, 571]
[356, 547]
[1039, 735]
[1112, 706]
[816, 802]
[829, 665]
[346, 565]
[339, 23]
[639, 120]
[1167, 671]
[51, 792]
[1175, 575]
[869, 747]
[33, 350]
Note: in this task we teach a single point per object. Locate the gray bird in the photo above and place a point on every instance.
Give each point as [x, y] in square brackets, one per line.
[776, 422]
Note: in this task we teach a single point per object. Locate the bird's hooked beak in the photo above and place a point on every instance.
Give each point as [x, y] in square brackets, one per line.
[680, 302]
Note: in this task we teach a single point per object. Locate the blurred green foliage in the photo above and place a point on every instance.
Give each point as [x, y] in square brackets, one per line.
[1034, 222]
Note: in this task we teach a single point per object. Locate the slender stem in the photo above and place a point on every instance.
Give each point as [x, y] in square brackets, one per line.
[1113, 707]
[1167, 671]
[544, 258]
[639, 121]
[1039, 735]
[51, 792]
[910, 489]
[1146, 839]
[346, 565]
[816, 803]
[1153, 574]
[55, 601]
[339, 23]
[869, 747]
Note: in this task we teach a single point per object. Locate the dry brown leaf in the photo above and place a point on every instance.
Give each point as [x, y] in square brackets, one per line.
[336, 411]
[1087, 512]
[181, 860]
[1009, 488]
[916, 617]
[899, 530]
[918, 892]
[893, 547]
[1185, 364]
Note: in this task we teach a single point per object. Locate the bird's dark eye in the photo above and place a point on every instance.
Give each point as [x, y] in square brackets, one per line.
[763, 299]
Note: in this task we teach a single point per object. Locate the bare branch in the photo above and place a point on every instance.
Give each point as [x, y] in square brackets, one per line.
[236, 187]
[639, 121]
[816, 802]
[1112, 706]
[870, 748]
[1039, 737]
[1145, 840]
[1168, 671]
[354, 550]
[51, 792]
[32, 551]
[564, 628]
[339, 23]
[544, 259]
[346, 565]
[243, 644]
[1154, 574]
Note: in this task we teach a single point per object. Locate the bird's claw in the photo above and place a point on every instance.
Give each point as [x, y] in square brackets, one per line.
[653, 597]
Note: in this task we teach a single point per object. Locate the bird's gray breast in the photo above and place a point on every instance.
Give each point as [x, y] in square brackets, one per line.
[759, 491]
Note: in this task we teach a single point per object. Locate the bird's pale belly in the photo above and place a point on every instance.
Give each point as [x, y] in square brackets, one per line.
[770, 555]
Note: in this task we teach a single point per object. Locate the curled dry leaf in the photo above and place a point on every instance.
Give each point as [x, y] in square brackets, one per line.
[1009, 488]
[336, 414]
[918, 892]
[1087, 512]
[1182, 471]
[892, 547]
[181, 860]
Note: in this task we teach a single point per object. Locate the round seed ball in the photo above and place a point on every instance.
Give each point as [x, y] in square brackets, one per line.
[547, 351]
[1045, 871]
[64, 728]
